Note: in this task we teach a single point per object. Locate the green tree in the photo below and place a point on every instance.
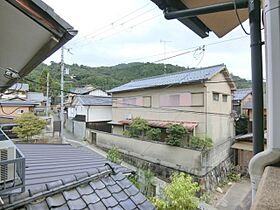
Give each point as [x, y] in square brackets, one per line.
[42, 81]
[114, 156]
[203, 143]
[154, 134]
[179, 194]
[137, 128]
[28, 125]
[175, 134]
[241, 125]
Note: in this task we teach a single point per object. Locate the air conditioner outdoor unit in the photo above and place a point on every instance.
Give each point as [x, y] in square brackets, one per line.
[7, 152]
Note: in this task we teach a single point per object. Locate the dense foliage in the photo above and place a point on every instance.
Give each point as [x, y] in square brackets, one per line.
[241, 125]
[114, 156]
[28, 125]
[104, 77]
[154, 134]
[175, 134]
[202, 143]
[179, 194]
[137, 128]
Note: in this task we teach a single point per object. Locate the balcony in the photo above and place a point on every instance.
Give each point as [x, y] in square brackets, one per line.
[12, 167]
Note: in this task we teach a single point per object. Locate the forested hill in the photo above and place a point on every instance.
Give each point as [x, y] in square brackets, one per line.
[103, 77]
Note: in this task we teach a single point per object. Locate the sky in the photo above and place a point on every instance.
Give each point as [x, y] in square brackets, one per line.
[113, 32]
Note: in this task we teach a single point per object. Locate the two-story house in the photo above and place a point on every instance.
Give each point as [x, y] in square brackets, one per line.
[200, 99]
[240, 98]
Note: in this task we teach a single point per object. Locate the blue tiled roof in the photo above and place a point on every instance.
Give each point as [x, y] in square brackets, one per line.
[241, 93]
[183, 77]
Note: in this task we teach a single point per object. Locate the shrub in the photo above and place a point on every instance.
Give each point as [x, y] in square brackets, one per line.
[175, 134]
[179, 194]
[154, 134]
[241, 125]
[138, 128]
[203, 143]
[114, 156]
[28, 125]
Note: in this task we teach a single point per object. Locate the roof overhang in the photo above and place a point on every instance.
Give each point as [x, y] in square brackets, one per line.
[192, 13]
[30, 33]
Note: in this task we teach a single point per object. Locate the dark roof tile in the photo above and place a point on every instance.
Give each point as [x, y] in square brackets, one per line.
[20, 196]
[37, 189]
[37, 205]
[81, 175]
[110, 202]
[128, 204]
[85, 189]
[92, 171]
[54, 184]
[68, 179]
[145, 206]
[139, 198]
[132, 190]
[103, 193]
[118, 207]
[76, 204]
[71, 194]
[56, 200]
[97, 206]
[63, 207]
[91, 198]
[120, 196]
[114, 188]
[124, 183]
[97, 185]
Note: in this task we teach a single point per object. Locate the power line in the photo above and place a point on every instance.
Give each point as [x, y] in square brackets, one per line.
[111, 25]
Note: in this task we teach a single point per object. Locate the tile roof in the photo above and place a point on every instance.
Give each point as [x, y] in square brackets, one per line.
[67, 177]
[82, 90]
[249, 104]
[50, 162]
[17, 103]
[183, 77]
[240, 94]
[19, 87]
[35, 96]
[89, 100]
[97, 189]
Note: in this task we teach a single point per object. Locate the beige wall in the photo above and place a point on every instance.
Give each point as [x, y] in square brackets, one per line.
[218, 125]
[244, 101]
[13, 110]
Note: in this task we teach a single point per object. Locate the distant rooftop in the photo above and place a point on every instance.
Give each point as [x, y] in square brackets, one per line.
[89, 100]
[183, 77]
[82, 90]
[240, 94]
[19, 87]
[35, 96]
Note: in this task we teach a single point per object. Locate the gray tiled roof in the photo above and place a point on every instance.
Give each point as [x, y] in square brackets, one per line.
[249, 104]
[183, 77]
[89, 100]
[66, 177]
[35, 96]
[50, 162]
[98, 189]
[241, 93]
[19, 86]
[17, 103]
[82, 90]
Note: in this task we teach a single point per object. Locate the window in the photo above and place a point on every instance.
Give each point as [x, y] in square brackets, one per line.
[175, 100]
[215, 96]
[197, 99]
[136, 102]
[20, 111]
[225, 98]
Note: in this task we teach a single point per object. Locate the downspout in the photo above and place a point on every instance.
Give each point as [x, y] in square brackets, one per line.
[272, 154]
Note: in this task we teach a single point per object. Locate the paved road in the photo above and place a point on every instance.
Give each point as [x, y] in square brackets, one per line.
[234, 196]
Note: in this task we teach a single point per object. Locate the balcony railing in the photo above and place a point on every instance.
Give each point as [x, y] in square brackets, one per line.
[12, 169]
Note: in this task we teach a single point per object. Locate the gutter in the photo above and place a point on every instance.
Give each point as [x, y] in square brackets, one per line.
[272, 155]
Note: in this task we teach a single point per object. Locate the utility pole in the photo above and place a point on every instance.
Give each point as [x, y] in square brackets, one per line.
[164, 51]
[62, 93]
[47, 107]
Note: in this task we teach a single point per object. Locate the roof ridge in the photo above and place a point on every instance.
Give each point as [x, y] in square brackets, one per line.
[56, 188]
[178, 72]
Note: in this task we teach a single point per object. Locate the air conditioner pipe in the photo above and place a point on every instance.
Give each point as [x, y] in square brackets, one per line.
[272, 154]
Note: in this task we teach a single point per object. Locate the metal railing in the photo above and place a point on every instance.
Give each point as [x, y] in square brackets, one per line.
[12, 171]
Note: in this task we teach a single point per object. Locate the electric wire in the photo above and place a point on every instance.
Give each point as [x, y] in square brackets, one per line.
[238, 18]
